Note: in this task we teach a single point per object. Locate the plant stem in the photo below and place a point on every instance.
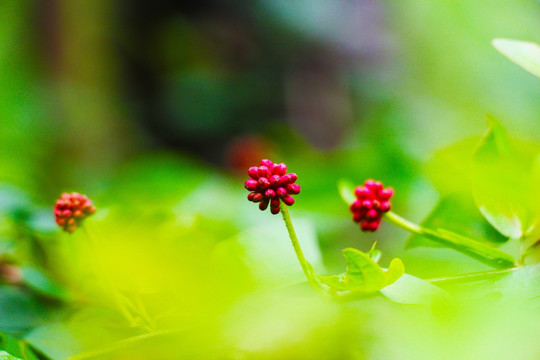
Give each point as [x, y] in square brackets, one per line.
[475, 249]
[306, 266]
[397, 220]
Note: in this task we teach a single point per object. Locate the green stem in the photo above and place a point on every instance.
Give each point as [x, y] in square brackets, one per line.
[397, 220]
[475, 249]
[306, 266]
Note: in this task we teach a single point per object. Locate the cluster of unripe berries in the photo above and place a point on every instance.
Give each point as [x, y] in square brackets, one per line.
[269, 184]
[71, 209]
[372, 202]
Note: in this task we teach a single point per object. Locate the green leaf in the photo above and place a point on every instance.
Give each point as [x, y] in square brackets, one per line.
[505, 183]
[36, 279]
[19, 311]
[523, 53]
[346, 190]
[395, 271]
[457, 213]
[449, 168]
[363, 274]
[480, 251]
[516, 284]
[6, 356]
[475, 249]
[523, 283]
[412, 290]
[15, 349]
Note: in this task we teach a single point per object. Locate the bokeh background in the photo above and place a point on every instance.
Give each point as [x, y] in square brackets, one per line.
[345, 89]
[156, 110]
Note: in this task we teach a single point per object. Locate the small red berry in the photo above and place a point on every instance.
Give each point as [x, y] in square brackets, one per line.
[267, 163]
[385, 206]
[263, 204]
[370, 225]
[71, 209]
[252, 172]
[262, 172]
[264, 183]
[362, 192]
[293, 189]
[359, 216]
[369, 183]
[372, 214]
[386, 194]
[281, 191]
[367, 204]
[251, 184]
[377, 186]
[274, 180]
[355, 206]
[288, 200]
[274, 206]
[372, 202]
[280, 169]
[270, 184]
[285, 180]
[293, 177]
[366, 226]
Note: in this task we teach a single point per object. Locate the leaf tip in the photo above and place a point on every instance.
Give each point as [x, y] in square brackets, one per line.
[497, 43]
[492, 121]
[346, 190]
[396, 269]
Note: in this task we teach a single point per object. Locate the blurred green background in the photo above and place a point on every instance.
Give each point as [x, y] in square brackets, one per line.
[155, 110]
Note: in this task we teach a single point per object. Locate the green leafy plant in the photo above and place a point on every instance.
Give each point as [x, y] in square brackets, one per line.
[363, 274]
[175, 265]
[269, 183]
[504, 178]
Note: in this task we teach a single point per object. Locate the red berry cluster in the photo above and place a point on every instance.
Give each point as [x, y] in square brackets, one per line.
[372, 202]
[269, 183]
[71, 209]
